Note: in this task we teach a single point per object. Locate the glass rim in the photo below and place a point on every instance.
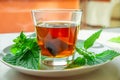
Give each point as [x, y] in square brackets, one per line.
[63, 10]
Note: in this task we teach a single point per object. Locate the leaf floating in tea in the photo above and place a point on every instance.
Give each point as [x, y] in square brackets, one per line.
[56, 46]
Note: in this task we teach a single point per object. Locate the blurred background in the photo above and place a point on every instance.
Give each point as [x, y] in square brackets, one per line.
[15, 15]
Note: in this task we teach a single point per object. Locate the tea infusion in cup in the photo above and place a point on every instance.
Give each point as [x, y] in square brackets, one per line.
[56, 32]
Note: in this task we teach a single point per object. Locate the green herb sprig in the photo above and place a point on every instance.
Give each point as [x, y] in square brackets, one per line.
[90, 58]
[25, 52]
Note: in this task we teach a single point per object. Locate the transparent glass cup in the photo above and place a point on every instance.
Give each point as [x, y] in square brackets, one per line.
[56, 32]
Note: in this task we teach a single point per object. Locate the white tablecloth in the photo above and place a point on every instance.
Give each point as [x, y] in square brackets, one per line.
[109, 71]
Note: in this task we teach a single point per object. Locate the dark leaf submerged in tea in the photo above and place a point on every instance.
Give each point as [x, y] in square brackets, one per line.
[56, 46]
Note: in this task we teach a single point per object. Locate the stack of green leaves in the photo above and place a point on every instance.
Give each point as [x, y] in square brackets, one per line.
[25, 52]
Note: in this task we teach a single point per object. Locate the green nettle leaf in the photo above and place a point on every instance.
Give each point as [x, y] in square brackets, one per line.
[10, 58]
[88, 56]
[29, 60]
[90, 41]
[18, 43]
[107, 55]
[115, 39]
[79, 61]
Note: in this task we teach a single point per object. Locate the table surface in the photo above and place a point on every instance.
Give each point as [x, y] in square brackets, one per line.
[109, 71]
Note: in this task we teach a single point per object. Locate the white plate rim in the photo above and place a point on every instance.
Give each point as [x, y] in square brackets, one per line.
[89, 68]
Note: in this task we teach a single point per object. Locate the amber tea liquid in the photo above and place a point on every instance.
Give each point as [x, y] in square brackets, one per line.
[57, 39]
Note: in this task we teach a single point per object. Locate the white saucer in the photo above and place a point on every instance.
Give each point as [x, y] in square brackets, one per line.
[58, 73]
